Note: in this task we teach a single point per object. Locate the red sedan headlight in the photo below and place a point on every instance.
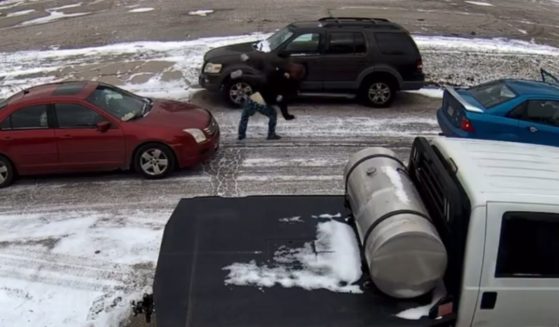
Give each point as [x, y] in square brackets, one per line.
[196, 133]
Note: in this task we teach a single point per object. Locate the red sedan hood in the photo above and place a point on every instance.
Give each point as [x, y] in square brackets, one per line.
[177, 114]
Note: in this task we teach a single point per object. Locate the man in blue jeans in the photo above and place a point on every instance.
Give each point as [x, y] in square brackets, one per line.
[255, 103]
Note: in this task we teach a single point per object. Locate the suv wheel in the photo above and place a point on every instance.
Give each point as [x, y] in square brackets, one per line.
[236, 92]
[378, 93]
[6, 172]
[154, 160]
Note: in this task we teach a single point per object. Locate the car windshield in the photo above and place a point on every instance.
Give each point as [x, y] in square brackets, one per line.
[275, 40]
[492, 94]
[122, 104]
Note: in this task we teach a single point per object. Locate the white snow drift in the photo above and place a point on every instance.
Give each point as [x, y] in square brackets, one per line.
[332, 262]
[75, 268]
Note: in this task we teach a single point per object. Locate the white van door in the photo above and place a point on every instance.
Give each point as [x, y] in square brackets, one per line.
[520, 275]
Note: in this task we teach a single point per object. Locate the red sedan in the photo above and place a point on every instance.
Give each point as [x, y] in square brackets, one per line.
[91, 126]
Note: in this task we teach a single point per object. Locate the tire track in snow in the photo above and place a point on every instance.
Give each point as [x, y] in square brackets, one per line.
[76, 272]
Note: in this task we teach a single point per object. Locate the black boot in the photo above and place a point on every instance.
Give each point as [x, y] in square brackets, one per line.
[273, 137]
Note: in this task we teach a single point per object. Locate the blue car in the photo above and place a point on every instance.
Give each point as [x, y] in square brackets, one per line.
[507, 110]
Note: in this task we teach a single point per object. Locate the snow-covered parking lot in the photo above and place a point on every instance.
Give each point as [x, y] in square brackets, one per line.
[74, 250]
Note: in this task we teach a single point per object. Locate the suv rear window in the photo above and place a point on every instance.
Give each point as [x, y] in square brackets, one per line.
[396, 44]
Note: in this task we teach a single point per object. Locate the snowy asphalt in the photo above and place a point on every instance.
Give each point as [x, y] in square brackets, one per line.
[74, 249]
[89, 243]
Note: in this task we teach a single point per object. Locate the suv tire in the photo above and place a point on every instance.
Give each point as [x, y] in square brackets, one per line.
[154, 160]
[378, 92]
[6, 172]
[236, 91]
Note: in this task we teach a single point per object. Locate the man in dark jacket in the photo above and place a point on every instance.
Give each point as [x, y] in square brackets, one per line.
[282, 83]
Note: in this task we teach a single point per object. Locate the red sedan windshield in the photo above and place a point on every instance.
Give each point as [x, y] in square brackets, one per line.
[124, 105]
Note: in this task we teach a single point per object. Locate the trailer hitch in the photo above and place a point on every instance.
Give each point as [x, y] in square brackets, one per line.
[145, 306]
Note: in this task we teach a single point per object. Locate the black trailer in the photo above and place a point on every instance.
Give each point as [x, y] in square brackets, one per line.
[206, 234]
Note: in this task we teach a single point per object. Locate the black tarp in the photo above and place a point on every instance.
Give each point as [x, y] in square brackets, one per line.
[206, 234]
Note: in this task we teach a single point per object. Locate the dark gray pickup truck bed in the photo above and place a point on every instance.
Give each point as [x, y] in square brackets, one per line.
[206, 234]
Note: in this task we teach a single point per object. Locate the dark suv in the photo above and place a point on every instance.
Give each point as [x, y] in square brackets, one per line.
[368, 57]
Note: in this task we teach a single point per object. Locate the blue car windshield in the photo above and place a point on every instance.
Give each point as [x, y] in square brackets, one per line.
[275, 40]
[492, 94]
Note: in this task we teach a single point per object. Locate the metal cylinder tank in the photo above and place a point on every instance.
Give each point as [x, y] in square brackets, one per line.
[403, 250]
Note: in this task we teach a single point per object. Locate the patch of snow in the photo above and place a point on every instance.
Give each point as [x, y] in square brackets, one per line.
[396, 180]
[76, 268]
[20, 13]
[296, 219]
[416, 313]
[290, 162]
[333, 263]
[245, 178]
[328, 216]
[7, 4]
[156, 87]
[429, 92]
[53, 16]
[203, 12]
[523, 31]
[480, 3]
[264, 46]
[138, 10]
[495, 45]
[36, 303]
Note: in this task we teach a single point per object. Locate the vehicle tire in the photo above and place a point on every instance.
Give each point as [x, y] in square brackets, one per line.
[154, 160]
[236, 91]
[6, 172]
[378, 92]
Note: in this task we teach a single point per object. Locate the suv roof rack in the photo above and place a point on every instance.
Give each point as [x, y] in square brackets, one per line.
[353, 20]
[357, 21]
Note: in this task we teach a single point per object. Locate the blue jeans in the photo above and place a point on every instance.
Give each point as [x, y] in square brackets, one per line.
[249, 109]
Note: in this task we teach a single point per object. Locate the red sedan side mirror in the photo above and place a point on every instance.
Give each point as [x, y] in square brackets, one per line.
[103, 126]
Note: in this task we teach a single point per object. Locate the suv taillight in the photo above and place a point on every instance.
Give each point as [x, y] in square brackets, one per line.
[419, 65]
[466, 125]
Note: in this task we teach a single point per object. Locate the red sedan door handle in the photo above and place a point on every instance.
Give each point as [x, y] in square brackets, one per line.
[7, 138]
[66, 136]
[532, 129]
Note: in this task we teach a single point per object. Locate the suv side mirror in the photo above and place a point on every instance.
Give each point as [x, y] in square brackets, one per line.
[103, 126]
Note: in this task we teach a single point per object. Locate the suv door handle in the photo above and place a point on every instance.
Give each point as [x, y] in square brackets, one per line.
[66, 136]
[532, 129]
[488, 300]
